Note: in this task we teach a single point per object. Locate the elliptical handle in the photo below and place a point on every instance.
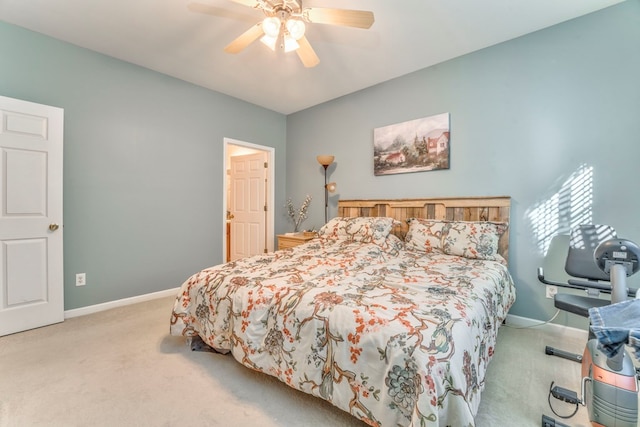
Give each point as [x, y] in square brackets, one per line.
[542, 279]
[583, 285]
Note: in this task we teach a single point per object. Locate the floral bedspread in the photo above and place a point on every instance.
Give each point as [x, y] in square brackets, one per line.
[394, 337]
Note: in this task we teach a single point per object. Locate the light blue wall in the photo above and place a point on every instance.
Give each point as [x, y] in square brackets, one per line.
[143, 164]
[526, 115]
[143, 151]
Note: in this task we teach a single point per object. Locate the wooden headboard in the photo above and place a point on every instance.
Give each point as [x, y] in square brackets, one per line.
[452, 208]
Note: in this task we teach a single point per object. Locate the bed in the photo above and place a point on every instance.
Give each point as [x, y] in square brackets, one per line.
[390, 314]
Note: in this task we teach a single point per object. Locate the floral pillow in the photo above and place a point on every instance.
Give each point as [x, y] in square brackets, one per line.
[475, 240]
[425, 235]
[358, 229]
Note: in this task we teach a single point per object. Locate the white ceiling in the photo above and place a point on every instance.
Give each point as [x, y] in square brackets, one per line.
[407, 35]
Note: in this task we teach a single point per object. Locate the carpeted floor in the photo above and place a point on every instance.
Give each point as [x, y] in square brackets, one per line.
[121, 368]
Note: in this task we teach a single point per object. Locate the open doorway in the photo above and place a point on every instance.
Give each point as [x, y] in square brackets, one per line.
[248, 212]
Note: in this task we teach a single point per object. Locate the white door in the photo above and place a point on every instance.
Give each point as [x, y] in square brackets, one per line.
[31, 269]
[248, 205]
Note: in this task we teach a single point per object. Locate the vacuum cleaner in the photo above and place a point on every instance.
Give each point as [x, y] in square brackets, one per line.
[609, 386]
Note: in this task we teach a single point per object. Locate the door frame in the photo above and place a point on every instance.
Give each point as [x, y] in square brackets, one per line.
[270, 197]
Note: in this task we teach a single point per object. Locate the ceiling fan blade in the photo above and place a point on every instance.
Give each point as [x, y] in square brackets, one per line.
[205, 8]
[245, 39]
[306, 53]
[250, 3]
[349, 18]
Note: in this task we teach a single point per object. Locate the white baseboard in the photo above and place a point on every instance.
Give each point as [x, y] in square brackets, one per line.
[552, 328]
[82, 311]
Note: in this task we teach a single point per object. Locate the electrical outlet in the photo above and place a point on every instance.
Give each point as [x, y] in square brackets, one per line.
[551, 291]
[81, 279]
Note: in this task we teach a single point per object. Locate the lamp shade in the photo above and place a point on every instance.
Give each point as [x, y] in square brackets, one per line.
[325, 160]
[331, 187]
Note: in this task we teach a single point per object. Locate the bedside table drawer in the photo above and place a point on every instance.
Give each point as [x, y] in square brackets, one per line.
[286, 241]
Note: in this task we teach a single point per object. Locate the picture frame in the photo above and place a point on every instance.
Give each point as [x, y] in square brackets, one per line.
[413, 146]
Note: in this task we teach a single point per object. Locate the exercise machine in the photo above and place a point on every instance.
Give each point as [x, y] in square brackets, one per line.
[609, 386]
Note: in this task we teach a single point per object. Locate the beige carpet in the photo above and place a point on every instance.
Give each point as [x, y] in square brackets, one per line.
[121, 368]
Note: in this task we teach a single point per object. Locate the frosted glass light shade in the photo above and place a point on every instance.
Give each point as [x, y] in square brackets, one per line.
[271, 26]
[296, 28]
[325, 160]
[331, 187]
[269, 41]
[290, 44]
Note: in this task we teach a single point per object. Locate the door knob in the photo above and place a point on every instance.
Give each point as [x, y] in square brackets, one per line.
[53, 227]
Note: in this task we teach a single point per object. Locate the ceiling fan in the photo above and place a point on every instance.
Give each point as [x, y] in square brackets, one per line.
[284, 26]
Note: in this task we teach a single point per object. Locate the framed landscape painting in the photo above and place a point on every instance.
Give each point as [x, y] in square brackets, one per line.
[414, 146]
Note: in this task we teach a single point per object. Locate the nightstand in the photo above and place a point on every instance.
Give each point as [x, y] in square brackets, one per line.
[292, 240]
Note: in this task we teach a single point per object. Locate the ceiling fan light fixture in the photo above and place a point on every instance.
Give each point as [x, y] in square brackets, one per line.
[271, 26]
[283, 26]
[296, 28]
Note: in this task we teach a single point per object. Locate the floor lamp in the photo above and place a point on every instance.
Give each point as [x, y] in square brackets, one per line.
[325, 161]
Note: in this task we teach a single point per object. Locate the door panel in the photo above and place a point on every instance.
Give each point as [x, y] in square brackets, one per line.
[25, 262]
[27, 174]
[31, 270]
[248, 201]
